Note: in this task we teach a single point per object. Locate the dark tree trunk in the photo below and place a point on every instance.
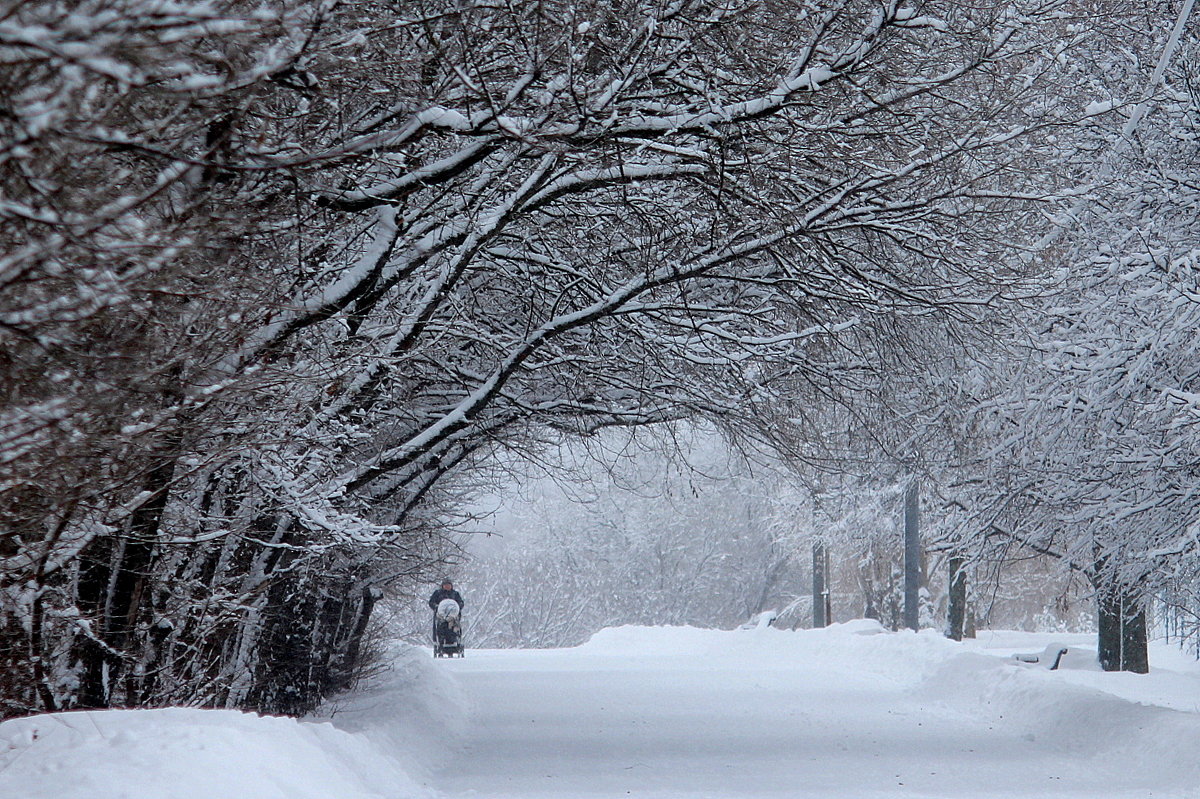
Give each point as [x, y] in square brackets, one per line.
[348, 664]
[128, 604]
[113, 588]
[912, 557]
[45, 694]
[95, 568]
[1122, 638]
[958, 598]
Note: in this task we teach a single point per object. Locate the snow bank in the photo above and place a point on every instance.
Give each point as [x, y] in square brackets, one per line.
[414, 709]
[1121, 717]
[1077, 710]
[184, 753]
[860, 649]
[376, 745]
[693, 640]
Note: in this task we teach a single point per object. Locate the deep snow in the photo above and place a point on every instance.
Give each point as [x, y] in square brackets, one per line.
[849, 711]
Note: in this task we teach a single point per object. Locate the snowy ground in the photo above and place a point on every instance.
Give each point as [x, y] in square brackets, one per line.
[666, 713]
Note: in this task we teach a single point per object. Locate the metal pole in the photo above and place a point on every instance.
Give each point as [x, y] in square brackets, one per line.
[820, 618]
[912, 558]
[825, 570]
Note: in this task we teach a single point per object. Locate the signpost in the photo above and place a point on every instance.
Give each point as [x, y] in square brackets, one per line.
[820, 595]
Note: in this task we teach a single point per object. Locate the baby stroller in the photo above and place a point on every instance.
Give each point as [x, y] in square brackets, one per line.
[447, 630]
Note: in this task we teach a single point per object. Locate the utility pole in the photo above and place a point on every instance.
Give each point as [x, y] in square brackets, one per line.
[820, 588]
[912, 557]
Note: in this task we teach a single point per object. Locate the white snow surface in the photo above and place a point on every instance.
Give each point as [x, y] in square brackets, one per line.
[667, 713]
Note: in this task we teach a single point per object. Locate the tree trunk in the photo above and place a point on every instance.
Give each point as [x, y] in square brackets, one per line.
[113, 590]
[1122, 624]
[128, 602]
[91, 657]
[348, 664]
[958, 599]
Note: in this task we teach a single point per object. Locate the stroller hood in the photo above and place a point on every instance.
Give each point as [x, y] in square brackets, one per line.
[447, 610]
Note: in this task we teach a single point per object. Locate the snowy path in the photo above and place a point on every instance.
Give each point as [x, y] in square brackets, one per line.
[665, 713]
[785, 716]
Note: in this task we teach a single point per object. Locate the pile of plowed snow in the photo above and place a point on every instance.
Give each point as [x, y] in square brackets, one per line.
[1077, 708]
[185, 753]
[371, 750]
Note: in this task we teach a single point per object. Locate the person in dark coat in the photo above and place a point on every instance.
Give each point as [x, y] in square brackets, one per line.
[445, 592]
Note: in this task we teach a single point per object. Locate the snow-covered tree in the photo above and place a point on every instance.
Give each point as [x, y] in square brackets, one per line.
[281, 280]
[1091, 447]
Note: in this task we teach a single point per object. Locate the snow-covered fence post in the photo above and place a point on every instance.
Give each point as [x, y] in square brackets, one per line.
[912, 558]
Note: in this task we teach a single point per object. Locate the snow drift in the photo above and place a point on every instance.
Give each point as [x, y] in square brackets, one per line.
[183, 753]
[372, 745]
